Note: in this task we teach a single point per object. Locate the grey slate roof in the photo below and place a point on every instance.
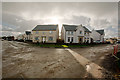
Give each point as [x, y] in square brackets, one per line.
[70, 27]
[73, 28]
[100, 31]
[45, 27]
[27, 32]
[86, 29]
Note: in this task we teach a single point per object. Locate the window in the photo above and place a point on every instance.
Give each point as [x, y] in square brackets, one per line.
[80, 32]
[37, 32]
[51, 32]
[68, 39]
[86, 33]
[71, 39]
[36, 38]
[50, 38]
[43, 32]
[85, 39]
[80, 39]
[70, 32]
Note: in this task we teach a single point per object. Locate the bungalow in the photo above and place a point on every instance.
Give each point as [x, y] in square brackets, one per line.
[75, 34]
[97, 35]
[45, 33]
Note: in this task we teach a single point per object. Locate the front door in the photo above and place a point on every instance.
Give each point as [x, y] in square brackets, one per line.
[43, 39]
[80, 39]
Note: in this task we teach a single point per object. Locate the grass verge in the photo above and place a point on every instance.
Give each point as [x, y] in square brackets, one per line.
[46, 45]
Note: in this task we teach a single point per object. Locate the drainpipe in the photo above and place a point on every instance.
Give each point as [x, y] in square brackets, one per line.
[65, 36]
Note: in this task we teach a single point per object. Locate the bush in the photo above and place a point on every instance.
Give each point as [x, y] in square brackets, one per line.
[59, 41]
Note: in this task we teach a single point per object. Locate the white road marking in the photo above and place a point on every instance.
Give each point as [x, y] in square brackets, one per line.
[91, 67]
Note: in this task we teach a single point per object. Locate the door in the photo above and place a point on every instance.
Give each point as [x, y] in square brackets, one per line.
[80, 39]
[43, 39]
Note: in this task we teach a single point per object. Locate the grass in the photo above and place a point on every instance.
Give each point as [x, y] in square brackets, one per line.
[48, 45]
[78, 45]
[64, 45]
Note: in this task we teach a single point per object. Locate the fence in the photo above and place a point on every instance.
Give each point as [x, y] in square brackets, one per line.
[116, 54]
[116, 51]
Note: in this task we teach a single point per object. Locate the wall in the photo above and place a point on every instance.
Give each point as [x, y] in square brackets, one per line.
[102, 38]
[62, 33]
[87, 36]
[76, 35]
[57, 31]
[68, 35]
[96, 36]
[54, 34]
[28, 37]
[79, 28]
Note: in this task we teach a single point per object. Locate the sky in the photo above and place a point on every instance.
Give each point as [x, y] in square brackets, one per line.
[17, 17]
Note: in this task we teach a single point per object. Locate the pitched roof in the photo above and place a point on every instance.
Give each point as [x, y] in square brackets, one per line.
[27, 32]
[100, 31]
[70, 27]
[45, 27]
[74, 28]
[86, 29]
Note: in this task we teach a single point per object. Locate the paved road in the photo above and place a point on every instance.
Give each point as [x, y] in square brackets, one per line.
[22, 60]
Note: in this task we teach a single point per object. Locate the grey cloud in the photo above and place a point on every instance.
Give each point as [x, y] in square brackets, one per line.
[25, 15]
[78, 20]
[16, 23]
[10, 33]
[6, 28]
[45, 8]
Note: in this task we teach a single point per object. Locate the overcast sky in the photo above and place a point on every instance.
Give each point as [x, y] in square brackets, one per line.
[21, 16]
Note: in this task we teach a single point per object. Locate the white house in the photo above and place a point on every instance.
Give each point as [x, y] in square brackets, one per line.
[27, 35]
[75, 34]
[97, 35]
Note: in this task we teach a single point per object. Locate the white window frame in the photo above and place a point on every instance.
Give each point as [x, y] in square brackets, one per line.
[68, 39]
[70, 32]
[37, 38]
[51, 38]
[80, 32]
